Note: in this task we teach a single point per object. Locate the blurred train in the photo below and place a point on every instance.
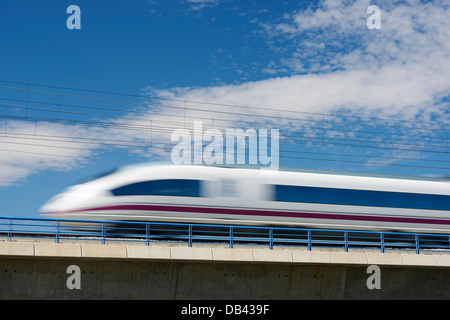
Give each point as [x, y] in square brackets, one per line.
[240, 196]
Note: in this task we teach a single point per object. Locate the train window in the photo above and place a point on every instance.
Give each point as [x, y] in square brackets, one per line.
[170, 187]
[228, 188]
[354, 197]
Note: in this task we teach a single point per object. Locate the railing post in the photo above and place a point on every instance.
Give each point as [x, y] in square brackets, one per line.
[58, 225]
[309, 241]
[271, 238]
[103, 233]
[382, 241]
[10, 229]
[231, 237]
[417, 244]
[190, 235]
[147, 234]
[346, 241]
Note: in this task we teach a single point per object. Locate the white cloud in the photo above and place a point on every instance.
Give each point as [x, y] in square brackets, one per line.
[410, 32]
[26, 148]
[31, 146]
[399, 70]
[390, 90]
[196, 5]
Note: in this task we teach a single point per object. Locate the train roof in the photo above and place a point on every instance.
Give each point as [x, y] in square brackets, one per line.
[441, 178]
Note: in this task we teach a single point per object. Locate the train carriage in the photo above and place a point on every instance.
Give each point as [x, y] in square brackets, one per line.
[242, 196]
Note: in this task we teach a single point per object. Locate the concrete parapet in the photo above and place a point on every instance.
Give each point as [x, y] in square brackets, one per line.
[385, 259]
[230, 255]
[150, 252]
[43, 249]
[111, 251]
[443, 260]
[419, 260]
[191, 254]
[273, 256]
[348, 258]
[17, 249]
[311, 257]
[220, 254]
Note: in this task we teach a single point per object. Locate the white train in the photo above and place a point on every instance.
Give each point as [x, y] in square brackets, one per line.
[218, 195]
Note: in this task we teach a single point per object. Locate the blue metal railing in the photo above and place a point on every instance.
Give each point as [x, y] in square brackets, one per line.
[232, 235]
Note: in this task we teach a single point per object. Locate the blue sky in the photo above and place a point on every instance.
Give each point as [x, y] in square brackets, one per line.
[313, 70]
[149, 43]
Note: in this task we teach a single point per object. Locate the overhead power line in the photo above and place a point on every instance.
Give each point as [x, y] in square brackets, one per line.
[325, 138]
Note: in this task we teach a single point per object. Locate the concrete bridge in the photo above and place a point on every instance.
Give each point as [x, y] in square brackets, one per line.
[32, 269]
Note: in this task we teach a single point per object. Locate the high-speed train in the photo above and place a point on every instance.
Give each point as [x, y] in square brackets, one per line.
[240, 196]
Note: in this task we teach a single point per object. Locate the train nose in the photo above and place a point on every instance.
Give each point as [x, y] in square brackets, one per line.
[55, 205]
[69, 200]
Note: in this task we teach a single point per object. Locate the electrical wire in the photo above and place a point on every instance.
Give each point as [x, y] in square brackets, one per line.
[315, 132]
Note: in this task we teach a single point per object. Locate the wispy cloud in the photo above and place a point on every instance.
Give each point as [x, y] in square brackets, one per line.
[27, 148]
[337, 63]
[335, 35]
[200, 4]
